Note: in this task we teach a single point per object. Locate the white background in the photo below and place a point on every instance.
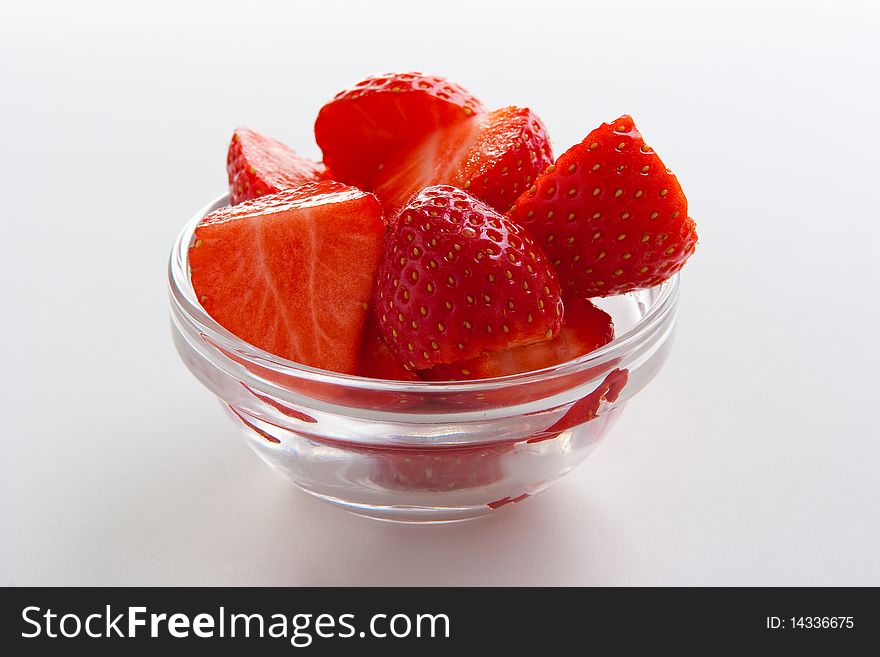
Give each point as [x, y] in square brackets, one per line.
[752, 458]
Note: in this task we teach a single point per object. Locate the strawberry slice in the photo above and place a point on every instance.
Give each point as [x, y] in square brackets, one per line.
[258, 165]
[587, 409]
[440, 469]
[497, 504]
[511, 150]
[280, 407]
[375, 360]
[434, 160]
[610, 215]
[585, 328]
[459, 279]
[494, 159]
[362, 126]
[292, 273]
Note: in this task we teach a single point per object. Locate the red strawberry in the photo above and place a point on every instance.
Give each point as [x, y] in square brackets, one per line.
[440, 469]
[459, 279]
[587, 409]
[362, 126]
[281, 407]
[494, 159]
[610, 215]
[262, 433]
[511, 150]
[292, 273]
[259, 165]
[585, 328]
[497, 504]
[375, 360]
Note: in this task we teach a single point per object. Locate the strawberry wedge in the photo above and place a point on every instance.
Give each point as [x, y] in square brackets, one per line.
[292, 273]
[258, 165]
[375, 359]
[584, 329]
[364, 125]
[398, 133]
[495, 159]
[610, 215]
[459, 279]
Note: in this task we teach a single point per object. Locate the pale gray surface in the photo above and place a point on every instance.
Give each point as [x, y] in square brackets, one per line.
[753, 458]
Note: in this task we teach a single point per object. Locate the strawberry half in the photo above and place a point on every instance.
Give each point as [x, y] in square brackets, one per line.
[610, 215]
[458, 279]
[440, 469]
[587, 409]
[511, 150]
[584, 329]
[375, 360]
[494, 158]
[259, 165]
[292, 273]
[362, 126]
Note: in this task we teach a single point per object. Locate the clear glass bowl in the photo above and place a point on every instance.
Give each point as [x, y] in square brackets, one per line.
[421, 451]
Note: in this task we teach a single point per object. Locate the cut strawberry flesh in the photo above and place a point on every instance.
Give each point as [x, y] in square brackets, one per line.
[584, 329]
[375, 360]
[292, 273]
[440, 469]
[259, 165]
[494, 159]
[511, 149]
[433, 160]
[398, 133]
[587, 409]
[363, 126]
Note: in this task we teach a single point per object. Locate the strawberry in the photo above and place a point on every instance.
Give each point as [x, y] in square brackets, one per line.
[511, 150]
[587, 409]
[494, 159]
[281, 407]
[362, 126]
[262, 433]
[440, 469]
[459, 279]
[610, 215]
[292, 273]
[375, 360]
[259, 165]
[497, 504]
[585, 328]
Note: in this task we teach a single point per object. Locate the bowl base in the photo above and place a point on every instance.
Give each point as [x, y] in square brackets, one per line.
[405, 514]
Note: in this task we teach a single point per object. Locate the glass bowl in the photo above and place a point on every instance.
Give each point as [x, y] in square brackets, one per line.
[421, 451]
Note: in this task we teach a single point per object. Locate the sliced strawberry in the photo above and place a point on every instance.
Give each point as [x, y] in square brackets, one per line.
[497, 504]
[459, 279]
[440, 469]
[265, 435]
[511, 150]
[375, 360]
[258, 165]
[587, 409]
[362, 126]
[494, 159]
[280, 407]
[585, 328]
[610, 215]
[292, 273]
[434, 160]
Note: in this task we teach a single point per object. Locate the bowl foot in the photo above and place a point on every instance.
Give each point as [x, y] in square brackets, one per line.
[407, 514]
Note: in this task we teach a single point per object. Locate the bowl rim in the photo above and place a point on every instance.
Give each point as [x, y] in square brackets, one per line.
[185, 303]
